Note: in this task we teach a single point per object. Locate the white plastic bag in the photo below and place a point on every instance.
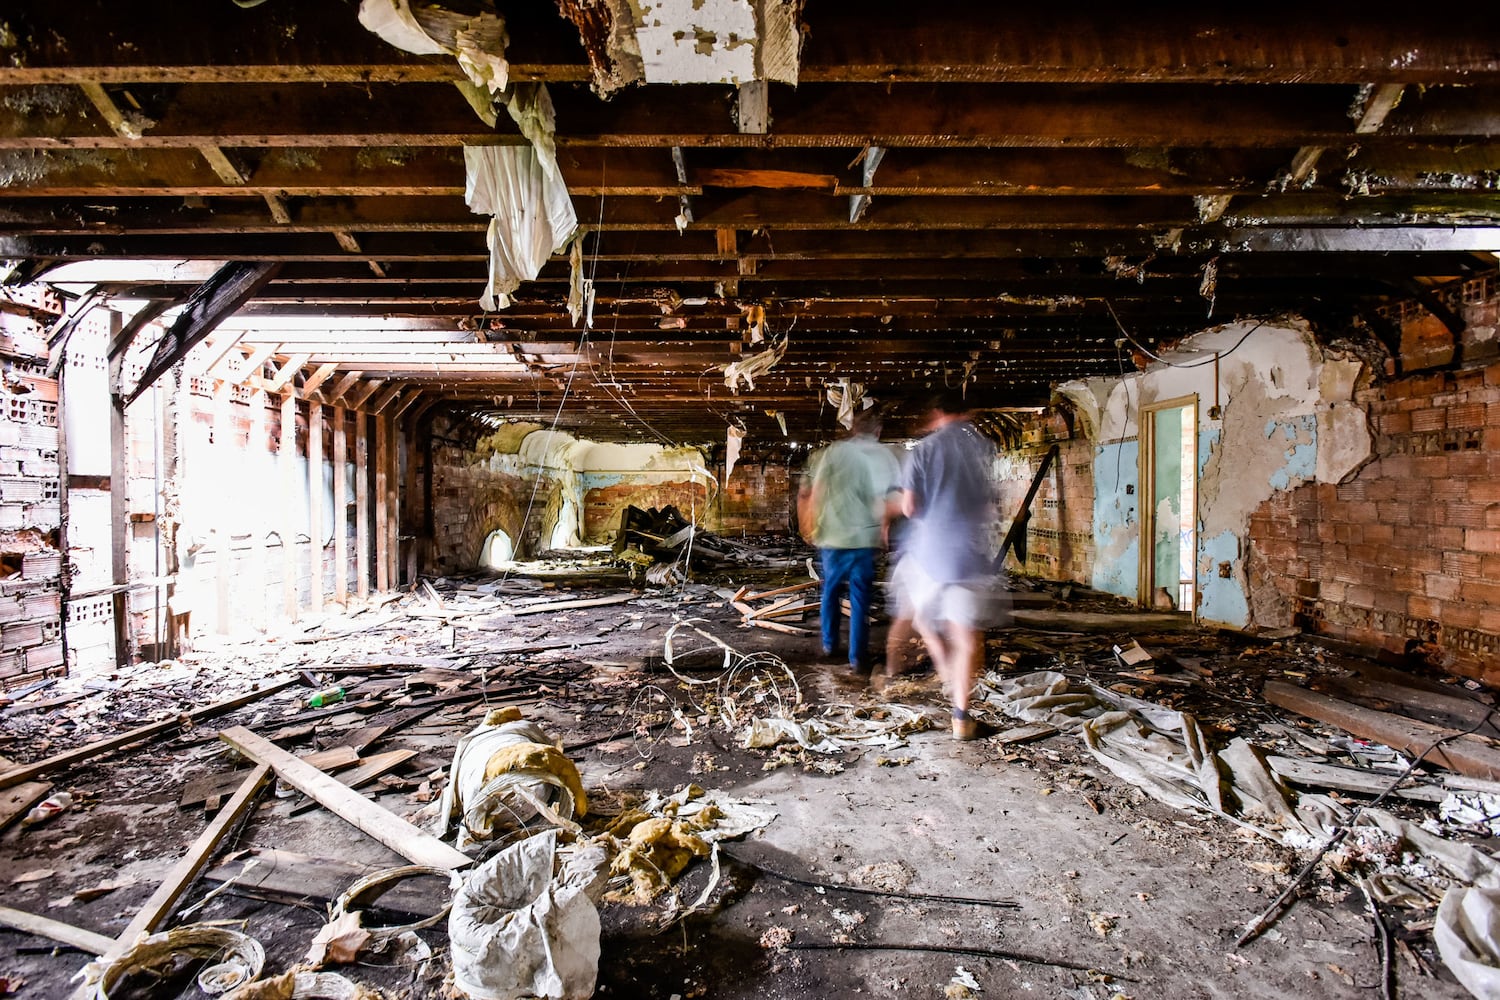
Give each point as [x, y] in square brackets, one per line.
[1467, 933]
[524, 923]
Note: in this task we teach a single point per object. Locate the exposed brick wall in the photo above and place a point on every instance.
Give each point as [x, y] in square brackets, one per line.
[470, 500]
[1059, 537]
[758, 498]
[1408, 551]
[602, 505]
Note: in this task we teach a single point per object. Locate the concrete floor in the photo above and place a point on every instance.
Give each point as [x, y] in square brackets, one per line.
[1116, 895]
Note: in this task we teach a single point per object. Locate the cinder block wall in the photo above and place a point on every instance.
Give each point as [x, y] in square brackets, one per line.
[1407, 553]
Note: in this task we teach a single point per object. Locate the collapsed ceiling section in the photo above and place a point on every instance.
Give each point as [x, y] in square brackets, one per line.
[700, 214]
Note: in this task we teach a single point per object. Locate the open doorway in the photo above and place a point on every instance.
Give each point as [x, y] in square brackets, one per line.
[1169, 521]
[497, 551]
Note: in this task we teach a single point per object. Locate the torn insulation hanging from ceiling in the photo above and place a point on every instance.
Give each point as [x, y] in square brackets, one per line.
[746, 369]
[848, 396]
[580, 289]
[732, 445]
[476, 41]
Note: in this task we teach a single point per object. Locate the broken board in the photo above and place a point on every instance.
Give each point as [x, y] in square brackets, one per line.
[1469, 755]
[290, 876]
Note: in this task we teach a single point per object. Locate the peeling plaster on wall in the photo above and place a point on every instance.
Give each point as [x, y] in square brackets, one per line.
[1221, 599]
[1288, 417]
[578, 466]
[1117, 544]
[1300, 434]
[696, 41]
[1088, 399]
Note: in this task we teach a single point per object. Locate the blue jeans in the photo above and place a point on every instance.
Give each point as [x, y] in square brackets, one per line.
[853, 569]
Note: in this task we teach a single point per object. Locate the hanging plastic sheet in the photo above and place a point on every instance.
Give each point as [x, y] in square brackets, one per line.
[532, 216]
[848, 397]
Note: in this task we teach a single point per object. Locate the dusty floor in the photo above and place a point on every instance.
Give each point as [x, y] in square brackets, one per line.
[1113, 894]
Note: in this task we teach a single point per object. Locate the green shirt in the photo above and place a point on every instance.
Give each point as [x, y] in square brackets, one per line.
[851, 481]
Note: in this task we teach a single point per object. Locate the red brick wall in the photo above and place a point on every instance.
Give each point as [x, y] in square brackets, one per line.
[1408, 551]
[758, 498]
[470, 500]
[602, 505]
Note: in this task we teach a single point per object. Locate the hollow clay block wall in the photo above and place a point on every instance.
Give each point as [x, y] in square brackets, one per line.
[1405, 555]
[30, 511]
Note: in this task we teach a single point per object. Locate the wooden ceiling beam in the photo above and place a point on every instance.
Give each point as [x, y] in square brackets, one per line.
[975, 115]
[874, 42]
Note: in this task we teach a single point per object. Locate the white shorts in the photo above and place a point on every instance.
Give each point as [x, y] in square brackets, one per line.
[976, 604]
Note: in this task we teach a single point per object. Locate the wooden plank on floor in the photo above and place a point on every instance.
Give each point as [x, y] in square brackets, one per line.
[1320, 776]
[368, 770]
[340, 507]
[382, 824]
[1465, 754]
[293, 876]
[27, 772]
[316, 566]
[361, 505]
[593, 602]
[159, 907]
[18, 800]
[55, 930]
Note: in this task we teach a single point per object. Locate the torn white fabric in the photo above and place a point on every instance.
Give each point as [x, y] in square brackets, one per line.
[840, 728]
[477, 41]
[1467, 933]
[525, 924]
[580, 289]
[733, 441]
[746, 369]
[532, 215]
[848, 397]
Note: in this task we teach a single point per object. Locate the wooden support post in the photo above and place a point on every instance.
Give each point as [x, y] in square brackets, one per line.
[361, 505]
[119, 530]
[259, 451]
[315, 503]
[382, 512]
[385, 826]
[392, 502]
[288, 462]
[223, 520]
[340, 507]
